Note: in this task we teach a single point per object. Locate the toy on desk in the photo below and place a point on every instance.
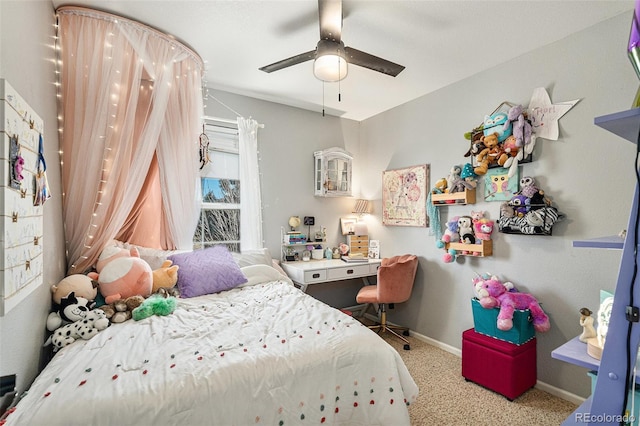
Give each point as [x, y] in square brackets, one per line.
[586, 321]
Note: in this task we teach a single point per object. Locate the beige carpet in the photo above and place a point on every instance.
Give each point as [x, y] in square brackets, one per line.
[446, 398]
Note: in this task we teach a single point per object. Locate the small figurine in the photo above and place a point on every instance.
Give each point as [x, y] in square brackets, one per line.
[586, 321]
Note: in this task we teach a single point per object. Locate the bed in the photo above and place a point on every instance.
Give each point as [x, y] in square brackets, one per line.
[260, 353]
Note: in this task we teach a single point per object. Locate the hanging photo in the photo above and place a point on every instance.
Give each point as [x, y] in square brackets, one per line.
[498, 186]
[404, 195]
[17, 163]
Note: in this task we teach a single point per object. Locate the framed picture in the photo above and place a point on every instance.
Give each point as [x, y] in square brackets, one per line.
[348, 225]
[404, 194]
[498, 186]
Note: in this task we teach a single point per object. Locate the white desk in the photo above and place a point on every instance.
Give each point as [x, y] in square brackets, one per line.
[304, 273]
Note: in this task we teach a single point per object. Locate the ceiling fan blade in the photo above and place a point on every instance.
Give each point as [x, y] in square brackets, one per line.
[330, 16]
[366, 60]
[294, 60]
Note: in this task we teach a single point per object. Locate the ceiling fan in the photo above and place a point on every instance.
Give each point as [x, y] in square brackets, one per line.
[331, 57]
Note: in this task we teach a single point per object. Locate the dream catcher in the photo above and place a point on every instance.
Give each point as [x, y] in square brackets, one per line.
[204, 149]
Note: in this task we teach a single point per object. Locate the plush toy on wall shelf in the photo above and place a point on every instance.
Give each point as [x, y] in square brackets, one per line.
[529, 211]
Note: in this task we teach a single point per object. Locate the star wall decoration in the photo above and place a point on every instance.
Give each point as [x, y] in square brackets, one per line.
[544, 115]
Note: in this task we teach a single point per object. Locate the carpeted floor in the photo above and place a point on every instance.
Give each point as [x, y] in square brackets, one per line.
[446, 398]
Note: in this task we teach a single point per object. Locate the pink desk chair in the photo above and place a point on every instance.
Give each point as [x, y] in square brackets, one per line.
[395, 282]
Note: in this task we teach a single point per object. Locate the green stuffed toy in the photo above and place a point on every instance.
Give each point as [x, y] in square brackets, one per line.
[155, 305]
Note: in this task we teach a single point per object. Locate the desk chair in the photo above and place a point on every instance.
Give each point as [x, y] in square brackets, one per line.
[395, 282]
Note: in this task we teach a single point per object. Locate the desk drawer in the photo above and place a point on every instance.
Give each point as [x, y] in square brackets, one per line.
[373, 268]
[348, 272]
[315, 276]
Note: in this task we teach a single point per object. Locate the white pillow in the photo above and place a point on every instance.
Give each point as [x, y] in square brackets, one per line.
[253, 257]
[154, 257]
[257, 274]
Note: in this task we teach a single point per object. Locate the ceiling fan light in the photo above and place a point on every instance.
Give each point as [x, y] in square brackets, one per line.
[330, 67]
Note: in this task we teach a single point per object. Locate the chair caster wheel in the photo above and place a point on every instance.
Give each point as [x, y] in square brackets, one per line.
[407, 347]
[405, 333]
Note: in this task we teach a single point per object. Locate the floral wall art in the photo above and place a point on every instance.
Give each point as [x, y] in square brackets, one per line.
[404, 193]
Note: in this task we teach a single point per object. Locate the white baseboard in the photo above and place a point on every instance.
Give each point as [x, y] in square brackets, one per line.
[560, 393]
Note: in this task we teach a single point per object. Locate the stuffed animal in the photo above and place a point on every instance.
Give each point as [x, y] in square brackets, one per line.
[483, 229]
[478, 280]
[451, 234]
[520, 126]
[477, 215]
[121, 310]
[528, 186]
[70, 309]
[121, 274]
[497, 123]
[493, 294]
[465, 229]
[506, 210]
[454, 176]
[469, 176]
[165, 277]
[440, 187]
[80, 284]
[520, 204]
[155, 305]
[492, 154]
[85, 328]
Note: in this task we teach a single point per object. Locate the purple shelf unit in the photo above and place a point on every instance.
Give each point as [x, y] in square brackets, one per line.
[607, 400]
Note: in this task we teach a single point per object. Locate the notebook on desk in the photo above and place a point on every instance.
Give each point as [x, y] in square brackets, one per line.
[355, 257]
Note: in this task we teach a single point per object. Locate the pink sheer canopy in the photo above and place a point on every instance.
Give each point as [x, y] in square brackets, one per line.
[131, 110]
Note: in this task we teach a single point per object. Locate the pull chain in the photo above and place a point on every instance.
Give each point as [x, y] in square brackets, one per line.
[323, 98]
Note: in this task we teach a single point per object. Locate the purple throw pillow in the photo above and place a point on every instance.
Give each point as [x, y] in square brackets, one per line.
[207, 271]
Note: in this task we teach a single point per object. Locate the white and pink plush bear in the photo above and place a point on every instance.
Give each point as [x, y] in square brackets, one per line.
[121, 274]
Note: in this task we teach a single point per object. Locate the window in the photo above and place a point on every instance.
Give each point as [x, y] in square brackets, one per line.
[220, 186]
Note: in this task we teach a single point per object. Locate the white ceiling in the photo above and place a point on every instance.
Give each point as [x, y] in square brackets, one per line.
[439, 42]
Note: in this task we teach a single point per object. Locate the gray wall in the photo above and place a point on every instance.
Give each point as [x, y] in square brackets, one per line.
[588, 172]
[27, 63]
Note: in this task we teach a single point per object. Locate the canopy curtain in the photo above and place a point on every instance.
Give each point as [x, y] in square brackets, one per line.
[127, 93]
[250, 196]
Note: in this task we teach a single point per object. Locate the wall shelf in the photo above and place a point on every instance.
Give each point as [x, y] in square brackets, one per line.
[478, 250]
[610, 242]
[461, 198]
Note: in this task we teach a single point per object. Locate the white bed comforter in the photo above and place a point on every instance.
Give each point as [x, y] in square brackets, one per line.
[261, 354]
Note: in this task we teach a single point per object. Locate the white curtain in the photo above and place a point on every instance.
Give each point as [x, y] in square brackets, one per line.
[128, 92]
[250, 196]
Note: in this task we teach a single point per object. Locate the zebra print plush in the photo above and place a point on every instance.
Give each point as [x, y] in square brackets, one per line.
[537, 221]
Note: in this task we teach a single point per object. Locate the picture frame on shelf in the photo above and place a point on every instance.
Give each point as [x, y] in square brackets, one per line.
[498, 186]
[404, 195]
[348, 225]
[374, 249]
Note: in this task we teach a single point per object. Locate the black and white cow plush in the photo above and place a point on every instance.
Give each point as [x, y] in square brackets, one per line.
[93, 322]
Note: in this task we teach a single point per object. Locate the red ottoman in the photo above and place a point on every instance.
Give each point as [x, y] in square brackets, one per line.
[500, 366]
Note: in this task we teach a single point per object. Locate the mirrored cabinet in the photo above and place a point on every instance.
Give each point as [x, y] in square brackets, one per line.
[332, 173]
